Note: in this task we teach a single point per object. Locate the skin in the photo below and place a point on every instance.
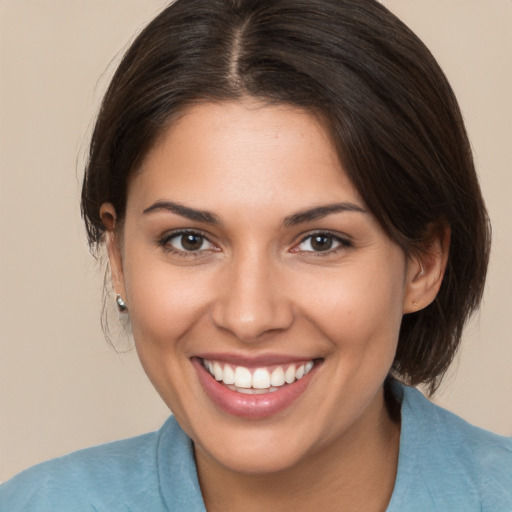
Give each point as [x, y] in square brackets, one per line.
[256, 286]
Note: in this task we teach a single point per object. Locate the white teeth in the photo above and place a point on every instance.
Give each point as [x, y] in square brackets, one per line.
[229, 375]
[247, 391]
[242, 377]
[259, 380]
[252, 391]
[217, 371]
[277, 377]
[289, 374]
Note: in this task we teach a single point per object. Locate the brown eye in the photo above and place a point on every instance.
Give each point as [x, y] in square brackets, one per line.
[322, 242]
[192, 242]
[188, 242]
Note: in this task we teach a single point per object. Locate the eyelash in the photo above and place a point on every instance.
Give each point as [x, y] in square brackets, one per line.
[343, 243]
[164, 242]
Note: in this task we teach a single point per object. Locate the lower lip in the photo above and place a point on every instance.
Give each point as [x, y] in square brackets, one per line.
[251, 406]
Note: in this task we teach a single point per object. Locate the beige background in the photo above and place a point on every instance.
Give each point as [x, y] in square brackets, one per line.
[61, 386]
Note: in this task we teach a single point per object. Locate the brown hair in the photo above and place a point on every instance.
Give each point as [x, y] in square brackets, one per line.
[388, 106]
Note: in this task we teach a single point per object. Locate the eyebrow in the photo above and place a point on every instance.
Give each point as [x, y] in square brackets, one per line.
[184, 211]
[320, 212]
[301, 217]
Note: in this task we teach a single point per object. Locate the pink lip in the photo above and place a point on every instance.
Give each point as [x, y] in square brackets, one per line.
[250, 406]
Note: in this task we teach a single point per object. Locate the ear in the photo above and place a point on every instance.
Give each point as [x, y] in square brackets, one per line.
[425, 271]
[109, 218]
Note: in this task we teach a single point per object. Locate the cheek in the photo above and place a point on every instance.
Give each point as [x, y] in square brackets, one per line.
[164, 301]
[357, 307]
[165, 304]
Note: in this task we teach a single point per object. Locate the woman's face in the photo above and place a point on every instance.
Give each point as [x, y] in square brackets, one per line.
[248, 254]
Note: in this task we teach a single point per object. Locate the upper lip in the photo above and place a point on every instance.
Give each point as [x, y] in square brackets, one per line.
[254, 361]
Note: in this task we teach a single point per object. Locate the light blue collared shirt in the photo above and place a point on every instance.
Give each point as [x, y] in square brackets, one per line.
[445, 465]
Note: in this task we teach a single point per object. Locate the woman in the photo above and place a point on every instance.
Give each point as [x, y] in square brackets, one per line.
[294, 225]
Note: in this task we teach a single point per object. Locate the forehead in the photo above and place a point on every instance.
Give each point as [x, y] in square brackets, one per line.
[244, 153]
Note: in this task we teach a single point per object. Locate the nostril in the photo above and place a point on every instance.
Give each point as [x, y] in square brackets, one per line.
[250, 320]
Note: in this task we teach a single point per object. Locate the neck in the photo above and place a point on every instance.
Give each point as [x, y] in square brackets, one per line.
[355, 472]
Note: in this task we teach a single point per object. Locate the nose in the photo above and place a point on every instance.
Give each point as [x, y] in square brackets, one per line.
[251, 299]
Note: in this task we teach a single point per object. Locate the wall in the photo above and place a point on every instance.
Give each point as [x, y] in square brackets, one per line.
[61, 386]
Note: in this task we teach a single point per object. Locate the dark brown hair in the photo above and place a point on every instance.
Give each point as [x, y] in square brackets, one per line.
[386, 103]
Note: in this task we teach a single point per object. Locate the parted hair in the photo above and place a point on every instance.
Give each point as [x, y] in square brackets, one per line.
[380, 94]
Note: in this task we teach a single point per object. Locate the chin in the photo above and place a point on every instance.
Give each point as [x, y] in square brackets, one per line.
[260, 458]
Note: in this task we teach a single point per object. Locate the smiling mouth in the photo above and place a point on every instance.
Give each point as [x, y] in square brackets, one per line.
[254, 381]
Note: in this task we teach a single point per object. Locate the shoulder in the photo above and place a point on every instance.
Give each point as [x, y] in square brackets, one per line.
[455, 459]
[457, 436]
[99, 478]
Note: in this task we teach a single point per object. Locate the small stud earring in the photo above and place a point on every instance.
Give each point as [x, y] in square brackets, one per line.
[120, 303]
